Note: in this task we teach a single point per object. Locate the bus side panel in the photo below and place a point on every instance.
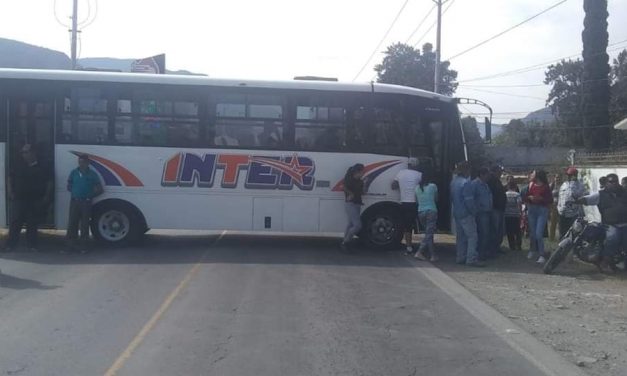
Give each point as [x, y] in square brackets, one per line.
[183, 189]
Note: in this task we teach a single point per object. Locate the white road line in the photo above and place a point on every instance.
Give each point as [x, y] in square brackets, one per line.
[539, 354]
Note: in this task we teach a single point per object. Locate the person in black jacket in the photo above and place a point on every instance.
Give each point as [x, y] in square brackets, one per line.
[612, 204]
[353, 191]
[497, 220]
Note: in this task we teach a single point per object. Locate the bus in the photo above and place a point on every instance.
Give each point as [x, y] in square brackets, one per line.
[198, 153]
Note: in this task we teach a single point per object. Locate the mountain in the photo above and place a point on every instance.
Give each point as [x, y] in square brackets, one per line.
[539, 117]
[14, 54]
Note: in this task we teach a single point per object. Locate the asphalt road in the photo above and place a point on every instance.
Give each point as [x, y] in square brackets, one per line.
[240, 305]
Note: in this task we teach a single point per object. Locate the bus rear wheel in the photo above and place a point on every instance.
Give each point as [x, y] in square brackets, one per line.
[116, 223]
[382, 228]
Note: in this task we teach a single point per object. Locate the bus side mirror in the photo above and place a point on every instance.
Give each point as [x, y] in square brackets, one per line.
[488, 130]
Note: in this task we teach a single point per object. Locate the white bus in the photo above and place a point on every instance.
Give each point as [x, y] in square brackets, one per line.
[183, 152]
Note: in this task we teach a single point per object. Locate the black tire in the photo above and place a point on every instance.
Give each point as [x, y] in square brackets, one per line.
[556, 258]
[116, 223]
[382, 228]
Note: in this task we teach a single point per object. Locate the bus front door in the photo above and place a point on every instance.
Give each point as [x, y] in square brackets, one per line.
[31, 121]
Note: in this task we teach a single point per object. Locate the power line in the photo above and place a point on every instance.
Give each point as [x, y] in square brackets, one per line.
[94, 17]
[508, 30]
[542, 65]
[434, 23]
[508, 94]
[420, 24]
[56, 16]
[80, 23]
[497, 86]
[376, 49]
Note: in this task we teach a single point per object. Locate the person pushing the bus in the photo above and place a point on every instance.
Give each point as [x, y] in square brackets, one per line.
[406, 182]
[84, 185]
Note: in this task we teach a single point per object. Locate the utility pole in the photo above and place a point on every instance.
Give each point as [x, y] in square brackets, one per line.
[438, 46]
[74, 31]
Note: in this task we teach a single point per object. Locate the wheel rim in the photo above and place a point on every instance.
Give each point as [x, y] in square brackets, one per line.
[114, 225]
[382, 230]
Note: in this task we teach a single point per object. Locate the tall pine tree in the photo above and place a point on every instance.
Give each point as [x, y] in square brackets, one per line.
[596, 69]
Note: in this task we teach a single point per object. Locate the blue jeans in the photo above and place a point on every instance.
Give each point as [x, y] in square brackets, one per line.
[428, 219]
[354, 220]
[497, 231]
[483, 232]
[466, 240]
[538, 216]
[615, 238]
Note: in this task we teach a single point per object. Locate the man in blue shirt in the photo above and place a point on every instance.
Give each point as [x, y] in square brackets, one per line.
[481, 206]
[84, 184]
[462, 198]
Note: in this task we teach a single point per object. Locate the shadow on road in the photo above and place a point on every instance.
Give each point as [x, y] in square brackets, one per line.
[15, 283]
[232, 248]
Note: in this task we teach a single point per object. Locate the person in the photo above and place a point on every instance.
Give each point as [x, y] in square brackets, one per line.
[612, 204]
[524, 218]
[513, 209]
[30, 190]
[223, 136]
[553, 214]
[539, 198]
[602, 182]
[84, 185]
[623, 182]
[567, 208]
[406, 182]
[481, 206]
[497, 221]
[511, 179]
[426, 197]
[353, 191]
[465, 226]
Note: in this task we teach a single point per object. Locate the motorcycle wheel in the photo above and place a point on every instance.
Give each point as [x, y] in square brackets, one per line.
[556, 258]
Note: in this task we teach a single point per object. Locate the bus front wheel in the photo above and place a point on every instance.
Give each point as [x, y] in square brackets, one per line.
[382, 228]
[116, 223]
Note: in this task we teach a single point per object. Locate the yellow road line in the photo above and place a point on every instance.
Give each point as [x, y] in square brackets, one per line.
[139, 338]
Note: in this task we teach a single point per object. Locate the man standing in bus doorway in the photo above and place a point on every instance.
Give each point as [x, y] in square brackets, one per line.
[29, 189]
[406, 182]
[84, 185]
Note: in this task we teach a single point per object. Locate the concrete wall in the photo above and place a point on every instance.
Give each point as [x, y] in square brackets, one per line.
[526, 158]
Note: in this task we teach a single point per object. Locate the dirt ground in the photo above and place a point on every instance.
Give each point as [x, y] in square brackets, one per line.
[578, 311]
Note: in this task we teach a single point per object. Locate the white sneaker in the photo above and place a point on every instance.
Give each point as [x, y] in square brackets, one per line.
[541, 260]
[531, 255]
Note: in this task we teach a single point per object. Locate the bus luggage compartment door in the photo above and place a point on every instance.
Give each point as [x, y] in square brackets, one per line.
[267, 214]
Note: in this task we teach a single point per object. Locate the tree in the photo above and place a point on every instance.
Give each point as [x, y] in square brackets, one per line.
[596, 69]
[618, 102]
[566, 98]
[406, 65]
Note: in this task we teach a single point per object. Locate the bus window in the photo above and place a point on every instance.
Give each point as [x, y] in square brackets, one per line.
[3, 119]
[151, 120]
[249, 121]
[320, 124]
[85, 119]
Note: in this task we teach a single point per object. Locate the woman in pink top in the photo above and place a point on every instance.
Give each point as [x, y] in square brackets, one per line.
[539, 199]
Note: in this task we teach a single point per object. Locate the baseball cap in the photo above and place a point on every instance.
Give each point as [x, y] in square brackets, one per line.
[571, 171]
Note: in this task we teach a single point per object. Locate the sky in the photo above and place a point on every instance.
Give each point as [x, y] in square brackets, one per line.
[280, 39]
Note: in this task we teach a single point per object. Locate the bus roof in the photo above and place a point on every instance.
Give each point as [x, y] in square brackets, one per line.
[68, 75]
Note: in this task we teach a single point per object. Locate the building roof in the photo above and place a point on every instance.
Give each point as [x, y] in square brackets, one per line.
[91, 76]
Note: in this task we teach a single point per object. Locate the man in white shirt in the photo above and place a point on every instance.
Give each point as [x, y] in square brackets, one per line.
[406, 182]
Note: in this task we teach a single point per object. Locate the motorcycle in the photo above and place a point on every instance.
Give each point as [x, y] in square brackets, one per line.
[585, 239]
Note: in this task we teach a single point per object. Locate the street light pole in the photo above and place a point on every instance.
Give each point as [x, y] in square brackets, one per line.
[438, 44]
[74, 31]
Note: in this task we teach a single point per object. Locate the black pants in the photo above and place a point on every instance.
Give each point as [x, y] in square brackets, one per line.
[80, 214]
[514, 233]
[565, 223]
[25, 212]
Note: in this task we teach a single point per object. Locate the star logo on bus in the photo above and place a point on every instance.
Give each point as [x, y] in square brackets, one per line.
[293, 168]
